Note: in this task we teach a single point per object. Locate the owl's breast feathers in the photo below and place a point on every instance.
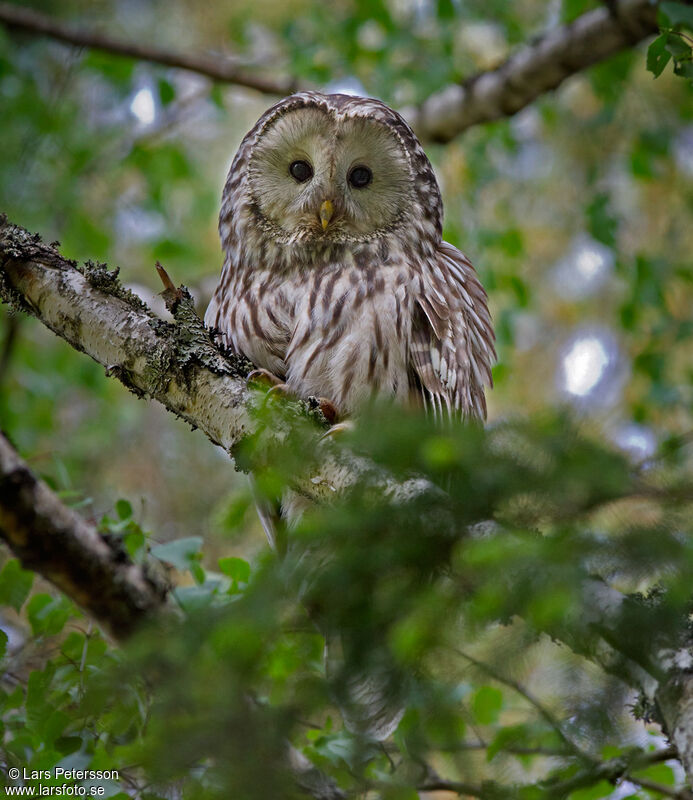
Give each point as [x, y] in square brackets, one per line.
[368, 322]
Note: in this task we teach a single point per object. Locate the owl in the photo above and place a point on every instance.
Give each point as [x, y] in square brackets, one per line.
[336, 278]
[337, 282]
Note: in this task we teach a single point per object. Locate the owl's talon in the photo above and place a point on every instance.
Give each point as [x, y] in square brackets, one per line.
[263, 377]
[340, 428]
[279, 389]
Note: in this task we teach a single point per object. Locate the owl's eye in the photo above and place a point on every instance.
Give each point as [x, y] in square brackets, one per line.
[360, 177]
[301, 171]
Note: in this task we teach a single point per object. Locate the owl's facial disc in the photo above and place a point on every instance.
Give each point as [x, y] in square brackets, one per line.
[316, 176]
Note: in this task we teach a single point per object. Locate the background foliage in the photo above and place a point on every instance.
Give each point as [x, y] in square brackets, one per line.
[517, 665]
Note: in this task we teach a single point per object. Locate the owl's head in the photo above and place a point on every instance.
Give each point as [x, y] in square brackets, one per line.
[334, 168]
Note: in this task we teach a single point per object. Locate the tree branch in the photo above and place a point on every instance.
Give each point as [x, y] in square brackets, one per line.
[538, 705]
[216, 67]
[176, 364]
[614, 770]
[98, 575]
[531, 71]
[59, 544]
[534, 69]
[173, 363]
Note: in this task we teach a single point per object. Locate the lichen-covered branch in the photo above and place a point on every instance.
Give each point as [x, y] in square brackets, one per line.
[89, 308]
[216, 67]
[55, 541]
[173, 363]
[534, 69]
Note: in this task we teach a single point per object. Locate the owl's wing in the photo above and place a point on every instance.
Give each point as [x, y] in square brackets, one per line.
[452, 342]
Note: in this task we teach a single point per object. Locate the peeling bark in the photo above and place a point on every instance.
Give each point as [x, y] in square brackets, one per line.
[674, 699]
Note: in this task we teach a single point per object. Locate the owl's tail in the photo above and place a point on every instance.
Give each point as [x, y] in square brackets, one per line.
[370, 700]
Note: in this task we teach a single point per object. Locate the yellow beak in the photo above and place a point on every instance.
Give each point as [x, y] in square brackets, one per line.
[326, 212]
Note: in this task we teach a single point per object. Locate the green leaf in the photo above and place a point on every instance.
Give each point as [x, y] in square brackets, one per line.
[236, 568]
[196, 598]
[659, 773]
[123, 509]
[134, 542]
[166, 91]
[3, 643]
[47, 614]
[197, 571]
[445, 10]
[118, 70]
[572, 9]
[658, 56]
[596, 792]
[677, 13]
[684, 68]
[677, 46]
[231, 516]
[15, 584]
[601, 222]
[486, 704]
[180, 552]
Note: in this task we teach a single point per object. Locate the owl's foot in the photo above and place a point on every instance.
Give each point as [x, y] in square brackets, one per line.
[339, 429]
[263, 377]
[279, 389]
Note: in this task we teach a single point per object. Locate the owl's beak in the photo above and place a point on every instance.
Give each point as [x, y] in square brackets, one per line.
[326, 212]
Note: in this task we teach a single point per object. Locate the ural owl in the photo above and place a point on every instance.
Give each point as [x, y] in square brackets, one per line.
[337, 281]
[336, 278]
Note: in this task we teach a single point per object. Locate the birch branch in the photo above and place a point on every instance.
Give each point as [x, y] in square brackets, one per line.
[173, 363]
[674, 699]
[217, 67]
[534, 69]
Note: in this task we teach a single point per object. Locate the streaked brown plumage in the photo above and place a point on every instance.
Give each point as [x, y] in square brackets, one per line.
[345, 289]
[337, 281]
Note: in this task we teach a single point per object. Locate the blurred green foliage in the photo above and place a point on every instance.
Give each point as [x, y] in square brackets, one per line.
[518, 603]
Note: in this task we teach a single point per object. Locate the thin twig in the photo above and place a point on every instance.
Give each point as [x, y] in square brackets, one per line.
[540, 707]
[653, 786]
[217, 67]
[614, 770]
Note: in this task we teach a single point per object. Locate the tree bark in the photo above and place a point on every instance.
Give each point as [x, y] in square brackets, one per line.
[55, 541]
